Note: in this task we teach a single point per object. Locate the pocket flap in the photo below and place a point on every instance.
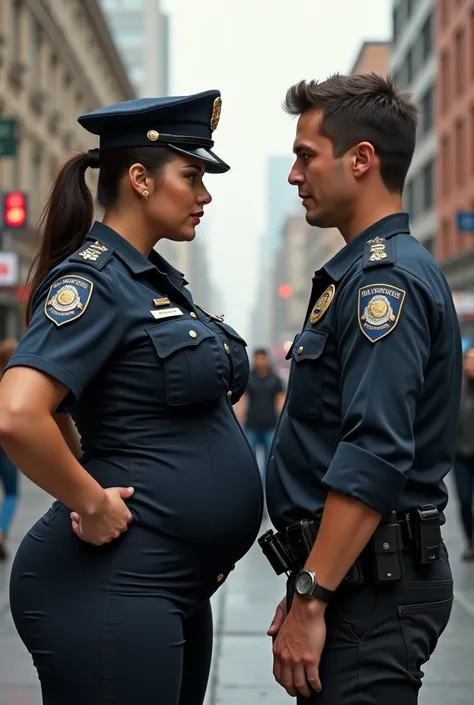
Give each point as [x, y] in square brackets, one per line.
[309, 345]
[231, 332]
[173, 335]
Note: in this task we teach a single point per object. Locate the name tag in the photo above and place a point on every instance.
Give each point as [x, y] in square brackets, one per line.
[167, 313]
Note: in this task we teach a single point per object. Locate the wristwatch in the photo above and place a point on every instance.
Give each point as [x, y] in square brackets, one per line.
[306, 586]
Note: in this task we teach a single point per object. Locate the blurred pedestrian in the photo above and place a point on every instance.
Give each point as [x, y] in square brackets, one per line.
[355, 484]
[110, 590]
[464, 463]
[261, 405]
[8, 471]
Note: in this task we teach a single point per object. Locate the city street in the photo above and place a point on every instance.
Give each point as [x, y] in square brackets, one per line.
[242, 609]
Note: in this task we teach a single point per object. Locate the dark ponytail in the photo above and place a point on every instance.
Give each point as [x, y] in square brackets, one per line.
[67, 217]
[65, 220]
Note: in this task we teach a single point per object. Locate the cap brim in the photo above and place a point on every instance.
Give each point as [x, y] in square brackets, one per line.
[213, 164]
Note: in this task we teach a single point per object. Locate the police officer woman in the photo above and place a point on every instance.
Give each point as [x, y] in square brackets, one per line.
[166, 495]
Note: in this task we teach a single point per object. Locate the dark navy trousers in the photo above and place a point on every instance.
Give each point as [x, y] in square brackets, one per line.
[379, 637]
[122, 624]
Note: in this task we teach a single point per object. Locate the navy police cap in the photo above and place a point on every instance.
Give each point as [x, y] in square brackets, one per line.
[183, 123]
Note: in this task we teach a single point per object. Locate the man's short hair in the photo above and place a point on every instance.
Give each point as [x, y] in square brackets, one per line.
[363, 108]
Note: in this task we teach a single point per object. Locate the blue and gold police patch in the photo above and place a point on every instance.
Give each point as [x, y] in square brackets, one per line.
[68, 299]
[380, 306]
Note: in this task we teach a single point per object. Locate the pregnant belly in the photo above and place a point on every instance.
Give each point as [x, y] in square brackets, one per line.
[202, 488]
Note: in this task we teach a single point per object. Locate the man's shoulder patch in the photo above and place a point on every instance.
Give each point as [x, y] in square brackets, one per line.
[379, 309]
[68, 297]
[93, 253]
[378, 252]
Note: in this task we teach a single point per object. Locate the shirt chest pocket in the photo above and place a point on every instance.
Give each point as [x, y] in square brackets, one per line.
[235, 347]
[192, 360]
[306, 386]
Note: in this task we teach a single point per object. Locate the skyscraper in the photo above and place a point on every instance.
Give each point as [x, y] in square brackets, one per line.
[140, 31]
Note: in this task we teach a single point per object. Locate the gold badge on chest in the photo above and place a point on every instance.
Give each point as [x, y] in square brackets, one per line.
[322, 304]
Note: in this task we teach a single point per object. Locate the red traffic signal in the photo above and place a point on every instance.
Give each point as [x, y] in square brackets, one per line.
[15, 209]
[285, 291]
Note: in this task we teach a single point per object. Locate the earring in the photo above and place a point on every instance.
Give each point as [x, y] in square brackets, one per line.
[145, 194]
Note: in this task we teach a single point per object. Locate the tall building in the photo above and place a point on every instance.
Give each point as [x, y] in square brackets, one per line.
[141, 31]
[57, 60]
[413, 67]
[455, 131]
[372, 57]
[282, 201]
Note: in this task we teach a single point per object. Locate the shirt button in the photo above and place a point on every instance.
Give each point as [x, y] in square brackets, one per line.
[193, 315]
[300, 350]
[193, 334]
[229, 394]
[226, 348]
[220, 577]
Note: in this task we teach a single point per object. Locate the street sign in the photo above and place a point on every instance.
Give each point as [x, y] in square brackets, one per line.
[465, 221]
[7, 137]
[9, 269]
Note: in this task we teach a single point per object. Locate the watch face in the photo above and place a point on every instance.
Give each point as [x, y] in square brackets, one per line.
[304, 583]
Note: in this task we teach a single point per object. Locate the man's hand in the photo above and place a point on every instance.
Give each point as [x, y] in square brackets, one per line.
[298, 646]
[278, 619]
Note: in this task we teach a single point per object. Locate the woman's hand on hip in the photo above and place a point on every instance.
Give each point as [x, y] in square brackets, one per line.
[108, 521]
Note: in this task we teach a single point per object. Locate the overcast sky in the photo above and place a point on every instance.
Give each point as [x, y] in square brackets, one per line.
[252, 51]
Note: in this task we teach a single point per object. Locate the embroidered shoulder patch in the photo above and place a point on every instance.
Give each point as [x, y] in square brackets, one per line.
[67, 299]
[379, 309]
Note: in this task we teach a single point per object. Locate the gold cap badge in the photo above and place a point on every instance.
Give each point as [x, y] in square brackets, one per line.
[216, 113]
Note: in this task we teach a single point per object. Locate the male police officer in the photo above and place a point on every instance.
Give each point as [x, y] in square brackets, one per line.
[355, 481]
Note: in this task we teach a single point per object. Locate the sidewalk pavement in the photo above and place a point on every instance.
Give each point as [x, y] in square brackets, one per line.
[243, 608]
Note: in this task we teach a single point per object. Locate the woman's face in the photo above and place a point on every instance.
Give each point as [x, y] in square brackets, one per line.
[469, 363]
[176, 200]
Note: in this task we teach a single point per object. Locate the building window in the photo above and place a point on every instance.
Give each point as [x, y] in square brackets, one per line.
[445, 166]
[427, 112]
[409, 63]
[15, 32]
[427, 38]
[396, 17]
[427, 176]
[35, 180]
[459, 152]
[459, 62]
[445, 237]
[418, 195]
[445, 92]
[408, 198]
[35, 54]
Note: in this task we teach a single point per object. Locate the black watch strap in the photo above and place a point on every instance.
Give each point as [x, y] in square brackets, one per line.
[321, 593]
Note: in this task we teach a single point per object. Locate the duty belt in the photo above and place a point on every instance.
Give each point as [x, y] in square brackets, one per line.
[417, 531]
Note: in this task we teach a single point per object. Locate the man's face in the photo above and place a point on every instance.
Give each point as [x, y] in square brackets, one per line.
[325, 184]
[261, 362]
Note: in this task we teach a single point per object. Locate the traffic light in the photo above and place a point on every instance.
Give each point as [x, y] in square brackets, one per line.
[285, 291]
[15, 209]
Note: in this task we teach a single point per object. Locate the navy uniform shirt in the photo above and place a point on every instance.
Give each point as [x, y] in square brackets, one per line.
[151, 379]
[373, 397]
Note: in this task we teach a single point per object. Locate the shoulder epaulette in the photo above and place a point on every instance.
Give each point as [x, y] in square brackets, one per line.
[96, 254]
[378, 252]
